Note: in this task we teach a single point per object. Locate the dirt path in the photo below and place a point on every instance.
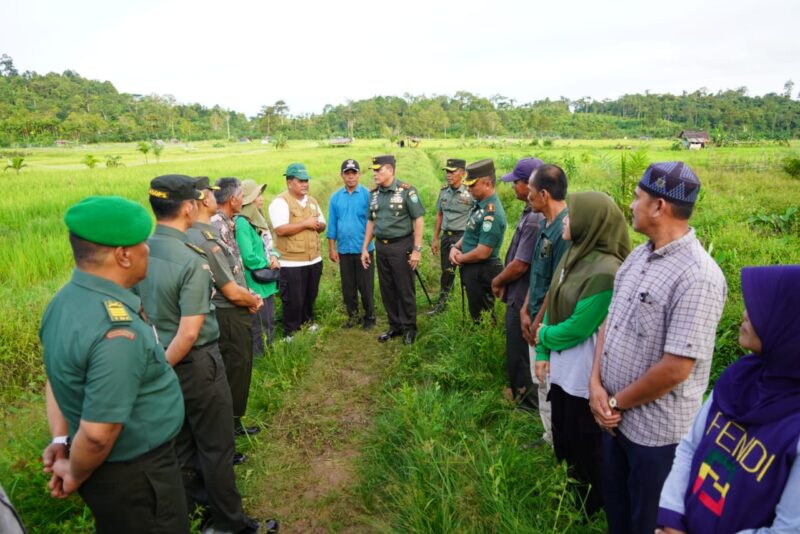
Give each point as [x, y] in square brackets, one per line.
[306, 468]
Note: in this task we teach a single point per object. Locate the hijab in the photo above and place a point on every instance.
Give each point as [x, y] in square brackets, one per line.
[761, 388]
[600, 243]
[254, 217]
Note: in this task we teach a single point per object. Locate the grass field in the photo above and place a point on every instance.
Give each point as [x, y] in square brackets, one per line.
[420, 438]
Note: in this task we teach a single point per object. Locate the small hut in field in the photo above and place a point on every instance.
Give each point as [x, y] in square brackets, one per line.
[340, 141]
[694, 140]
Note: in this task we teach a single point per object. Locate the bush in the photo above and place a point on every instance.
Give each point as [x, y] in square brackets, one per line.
[90, 161]
[791, 166]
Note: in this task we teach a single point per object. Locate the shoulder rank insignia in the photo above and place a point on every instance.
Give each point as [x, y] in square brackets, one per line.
[490, 206]
[208, 235]
[196, 248]
[117, 312]
[445, 186]
[403, 185]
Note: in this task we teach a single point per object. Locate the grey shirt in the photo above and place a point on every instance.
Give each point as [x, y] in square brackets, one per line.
[521, 248]
[667, 300]
[455, 205]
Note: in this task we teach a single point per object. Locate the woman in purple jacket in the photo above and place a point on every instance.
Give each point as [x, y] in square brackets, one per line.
[737, 470]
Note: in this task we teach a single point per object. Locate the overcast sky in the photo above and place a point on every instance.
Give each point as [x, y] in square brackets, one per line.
[246, 54]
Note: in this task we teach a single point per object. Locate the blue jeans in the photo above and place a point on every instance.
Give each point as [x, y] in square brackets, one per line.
[633, 476]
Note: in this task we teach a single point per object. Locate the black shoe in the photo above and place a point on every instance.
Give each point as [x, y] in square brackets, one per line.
[246, 430]
[351, 322]
[239, 458]
[270, 526]
[409, 337]
[389, 334]
[369, 324]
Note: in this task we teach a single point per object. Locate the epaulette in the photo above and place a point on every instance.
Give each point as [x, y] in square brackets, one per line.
[208, 235]
[490, 207]
[403, 185]
[445, 186]
[195, 248]
[117, 313]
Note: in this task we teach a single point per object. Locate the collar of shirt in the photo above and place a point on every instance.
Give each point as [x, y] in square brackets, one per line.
[552, 228]
[460, 189]
[225, 219]
[672, 246]
[107, 287]
[391, 187]
[358, 189]
[171, 232]
[486, 201]
[204, 226]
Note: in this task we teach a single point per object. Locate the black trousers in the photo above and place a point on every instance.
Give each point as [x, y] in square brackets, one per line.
[205, 443]
[518, 363]
[448, 277]
[236, 347]
[578, 440]
[140, 495]
[358, 281]
[477, 279]
[263, 325]
[298, 287]
[396, 278]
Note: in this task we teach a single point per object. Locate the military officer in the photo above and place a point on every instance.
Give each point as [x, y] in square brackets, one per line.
[114, 404]
[477, 252]
[233, 301]
[452, 210]
[395, 220]
[177, 298]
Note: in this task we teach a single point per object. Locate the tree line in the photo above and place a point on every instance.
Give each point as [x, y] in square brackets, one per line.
[38, 109]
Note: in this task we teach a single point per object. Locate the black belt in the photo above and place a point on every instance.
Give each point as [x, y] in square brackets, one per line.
[454, 232]
[393, 240]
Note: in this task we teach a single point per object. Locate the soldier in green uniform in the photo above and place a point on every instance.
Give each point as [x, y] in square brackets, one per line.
[395, 220]
[477, 253]
[232, 300]
[452, 210]
[113, 402]
[177, 297]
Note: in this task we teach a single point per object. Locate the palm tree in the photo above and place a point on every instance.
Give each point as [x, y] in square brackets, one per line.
[16, 163]
[144, 148]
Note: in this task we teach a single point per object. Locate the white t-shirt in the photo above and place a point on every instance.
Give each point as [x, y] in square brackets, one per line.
[279, 215]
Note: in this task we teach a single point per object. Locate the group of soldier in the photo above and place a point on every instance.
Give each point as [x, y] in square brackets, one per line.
[149, 347]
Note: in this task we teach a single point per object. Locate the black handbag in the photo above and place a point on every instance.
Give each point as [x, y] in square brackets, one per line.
[265, 275]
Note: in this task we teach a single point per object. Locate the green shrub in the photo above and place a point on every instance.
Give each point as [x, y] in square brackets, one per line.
[791, 166]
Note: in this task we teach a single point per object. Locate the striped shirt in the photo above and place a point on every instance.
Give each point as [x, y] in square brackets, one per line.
[667, 300]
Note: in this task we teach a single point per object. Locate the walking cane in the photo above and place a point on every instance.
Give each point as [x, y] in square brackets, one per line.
[461, 281]
[422, 285]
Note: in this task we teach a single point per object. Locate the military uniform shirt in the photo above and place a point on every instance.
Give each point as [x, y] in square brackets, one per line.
[394, 209]
[105, 365]
[548, 251]
[224, 262]
[455, 205]
[178, 284]
[486, 225]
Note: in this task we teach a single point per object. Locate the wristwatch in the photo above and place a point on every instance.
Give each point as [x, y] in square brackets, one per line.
[612, 403]
[61, 440]
[418, 248]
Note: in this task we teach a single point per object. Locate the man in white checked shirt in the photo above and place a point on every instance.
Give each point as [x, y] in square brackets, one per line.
[654, 351]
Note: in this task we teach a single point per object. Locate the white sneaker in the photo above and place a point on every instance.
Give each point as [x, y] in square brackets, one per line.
[313, 328]
[288, 339]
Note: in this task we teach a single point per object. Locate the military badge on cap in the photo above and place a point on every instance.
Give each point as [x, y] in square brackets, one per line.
[380, 161]
[453, 165]
[480, 169]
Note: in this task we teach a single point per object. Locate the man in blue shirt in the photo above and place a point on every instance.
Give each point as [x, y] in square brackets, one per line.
[347, 221]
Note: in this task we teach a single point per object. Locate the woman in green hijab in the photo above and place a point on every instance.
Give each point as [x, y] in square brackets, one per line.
[577, 304]
[255, 244]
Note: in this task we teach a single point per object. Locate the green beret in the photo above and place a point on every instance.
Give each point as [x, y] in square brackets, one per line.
[111, 221]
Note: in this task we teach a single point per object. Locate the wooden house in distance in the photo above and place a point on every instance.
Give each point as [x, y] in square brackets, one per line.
[694, 140]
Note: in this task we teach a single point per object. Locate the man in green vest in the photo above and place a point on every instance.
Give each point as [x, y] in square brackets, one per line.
[114, 404]
[477, 252]
[298, 221]
[232, 301]
[395, 220]
[177, 297]
[452, 210]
